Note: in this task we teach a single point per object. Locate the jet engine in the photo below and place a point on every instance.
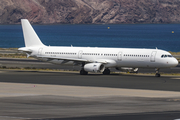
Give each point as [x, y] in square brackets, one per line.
[94, 67]
[127, 69]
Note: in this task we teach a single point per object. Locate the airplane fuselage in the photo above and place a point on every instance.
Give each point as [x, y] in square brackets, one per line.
[115, 57]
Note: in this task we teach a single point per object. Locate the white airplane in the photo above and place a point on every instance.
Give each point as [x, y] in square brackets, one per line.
[94, 59]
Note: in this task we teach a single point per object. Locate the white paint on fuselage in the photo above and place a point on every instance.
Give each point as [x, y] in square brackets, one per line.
[115, 57]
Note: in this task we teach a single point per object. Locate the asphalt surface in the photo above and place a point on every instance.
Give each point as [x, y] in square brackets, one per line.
[171, 115]
[54, 107]
[33, 63]
[130, 81]
[79, 108]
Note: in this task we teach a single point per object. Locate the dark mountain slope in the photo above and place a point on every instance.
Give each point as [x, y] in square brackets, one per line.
[90, 11]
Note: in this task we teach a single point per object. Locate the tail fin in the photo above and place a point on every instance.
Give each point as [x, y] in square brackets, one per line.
[30, 37]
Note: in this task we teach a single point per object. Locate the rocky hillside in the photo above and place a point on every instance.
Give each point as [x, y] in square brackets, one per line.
[90, 11]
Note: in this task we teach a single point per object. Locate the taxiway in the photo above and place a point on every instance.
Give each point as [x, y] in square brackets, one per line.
[66, 95]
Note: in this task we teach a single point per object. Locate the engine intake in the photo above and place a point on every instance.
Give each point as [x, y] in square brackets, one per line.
[94, 67]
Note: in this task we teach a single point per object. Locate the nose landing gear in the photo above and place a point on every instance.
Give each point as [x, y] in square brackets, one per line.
[157, 72]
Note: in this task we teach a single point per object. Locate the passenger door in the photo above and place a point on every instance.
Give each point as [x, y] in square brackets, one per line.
[40, 51]
[80, 54]
[119, 57]
[153, 56]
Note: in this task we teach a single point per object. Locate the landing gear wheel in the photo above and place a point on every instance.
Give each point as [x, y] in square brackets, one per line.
[157, 72]
[83, 72]
[157, 75]
[106, 71]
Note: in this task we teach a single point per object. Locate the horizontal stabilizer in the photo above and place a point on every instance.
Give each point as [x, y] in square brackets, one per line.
[25, 49]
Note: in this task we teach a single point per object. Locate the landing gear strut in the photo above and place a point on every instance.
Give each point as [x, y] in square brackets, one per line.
[157, 72]
[106, 71]
[82, 71]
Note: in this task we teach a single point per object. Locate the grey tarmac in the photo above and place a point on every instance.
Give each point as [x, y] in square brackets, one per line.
[65, 95]
[33, 63]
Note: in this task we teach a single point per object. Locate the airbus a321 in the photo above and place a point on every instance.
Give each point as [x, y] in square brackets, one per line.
[94, 59]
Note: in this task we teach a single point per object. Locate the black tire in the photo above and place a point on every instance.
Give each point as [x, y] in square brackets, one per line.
[106, 71]
[157, 75]
[83, 72]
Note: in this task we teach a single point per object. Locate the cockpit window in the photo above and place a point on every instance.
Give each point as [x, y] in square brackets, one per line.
[169, 55]
[164, 56]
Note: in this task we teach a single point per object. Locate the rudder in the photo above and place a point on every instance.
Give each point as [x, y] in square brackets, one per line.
[30, 37]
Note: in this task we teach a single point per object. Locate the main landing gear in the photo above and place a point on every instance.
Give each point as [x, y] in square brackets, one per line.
[157, 72]
[83, 72]
[106, 71]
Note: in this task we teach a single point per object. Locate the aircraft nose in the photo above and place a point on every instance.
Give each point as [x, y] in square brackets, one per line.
[175, 62]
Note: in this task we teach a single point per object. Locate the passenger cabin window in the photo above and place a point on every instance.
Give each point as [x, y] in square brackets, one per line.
[133, 55]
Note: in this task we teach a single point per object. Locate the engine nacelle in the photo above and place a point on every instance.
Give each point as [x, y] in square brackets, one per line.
[94, 67]
[127, 69]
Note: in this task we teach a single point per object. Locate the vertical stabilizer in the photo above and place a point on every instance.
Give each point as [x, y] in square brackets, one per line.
[30, 37]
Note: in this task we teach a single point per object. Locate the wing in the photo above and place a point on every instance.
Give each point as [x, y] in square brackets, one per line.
[104, 61]
[63, 58]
